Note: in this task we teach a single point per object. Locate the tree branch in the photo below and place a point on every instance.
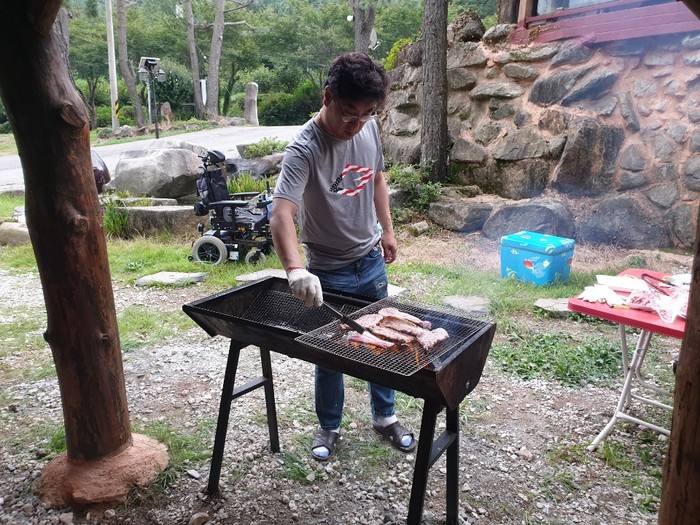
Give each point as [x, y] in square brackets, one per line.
[239, 5]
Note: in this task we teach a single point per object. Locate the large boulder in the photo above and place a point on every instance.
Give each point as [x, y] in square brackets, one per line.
[546, 216]
[259, 167]
[167, 169]
[463, 215]
[627, 221]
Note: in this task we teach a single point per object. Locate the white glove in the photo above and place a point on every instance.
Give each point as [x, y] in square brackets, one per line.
[599, 293]
[305, 287]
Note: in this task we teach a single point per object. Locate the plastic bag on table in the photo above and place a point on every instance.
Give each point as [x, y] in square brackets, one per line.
[672, 305]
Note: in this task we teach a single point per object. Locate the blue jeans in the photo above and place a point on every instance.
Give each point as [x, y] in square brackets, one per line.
[366, 276]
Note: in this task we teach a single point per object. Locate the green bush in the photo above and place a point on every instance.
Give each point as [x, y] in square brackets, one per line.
[390, 61]
[414, 181]
[244, 182]
[104, 116]
[5, 128]
[265, 146]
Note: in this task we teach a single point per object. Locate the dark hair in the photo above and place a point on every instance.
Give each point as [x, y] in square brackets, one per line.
[356, 77]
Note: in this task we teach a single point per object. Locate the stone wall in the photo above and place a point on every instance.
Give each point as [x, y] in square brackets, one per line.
[604, 134]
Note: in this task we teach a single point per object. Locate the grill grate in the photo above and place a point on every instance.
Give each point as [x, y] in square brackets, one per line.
[280, 309]
[330, 337]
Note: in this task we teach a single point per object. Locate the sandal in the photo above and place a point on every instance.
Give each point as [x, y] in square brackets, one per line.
[393, 433]
[323, 439]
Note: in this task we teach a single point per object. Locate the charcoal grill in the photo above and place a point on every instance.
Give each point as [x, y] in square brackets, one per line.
[264, 313]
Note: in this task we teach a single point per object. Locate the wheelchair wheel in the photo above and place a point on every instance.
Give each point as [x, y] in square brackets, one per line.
[255, 256]
[210, 250]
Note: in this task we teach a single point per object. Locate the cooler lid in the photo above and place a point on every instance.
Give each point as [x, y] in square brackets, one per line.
[538, 242]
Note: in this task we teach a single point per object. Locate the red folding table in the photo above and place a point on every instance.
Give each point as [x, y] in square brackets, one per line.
[649, 323]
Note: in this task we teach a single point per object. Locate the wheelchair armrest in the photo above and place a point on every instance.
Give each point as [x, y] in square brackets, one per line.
[244, 195]
[233, 204]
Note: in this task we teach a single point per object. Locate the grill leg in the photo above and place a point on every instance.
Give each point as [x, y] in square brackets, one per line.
[423, 462]
[217, 457]
[270, 400]
[452, 459]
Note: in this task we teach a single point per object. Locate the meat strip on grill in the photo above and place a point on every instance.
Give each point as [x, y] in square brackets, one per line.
[402, 325]
[395, 312]
[365, 321]
[391, 335]
[367, 338]
[429, 339]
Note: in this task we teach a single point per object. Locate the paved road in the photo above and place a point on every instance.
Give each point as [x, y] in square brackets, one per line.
[224, 139]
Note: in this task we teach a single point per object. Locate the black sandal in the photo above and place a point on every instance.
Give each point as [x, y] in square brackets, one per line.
[393, 433]
[324, 438]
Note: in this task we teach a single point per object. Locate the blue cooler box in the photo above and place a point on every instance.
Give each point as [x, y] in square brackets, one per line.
[536, 257]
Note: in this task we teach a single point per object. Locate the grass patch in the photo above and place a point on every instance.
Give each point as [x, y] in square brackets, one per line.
[559, 357]
[116, 220]
[245, 182]
[7, 144]
[294, 468]
[8, 203]
[506, 295]
[141, 326]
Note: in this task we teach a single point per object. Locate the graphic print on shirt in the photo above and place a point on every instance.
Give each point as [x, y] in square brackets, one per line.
[360, 177]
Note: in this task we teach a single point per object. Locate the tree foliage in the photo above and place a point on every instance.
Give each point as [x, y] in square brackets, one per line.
[285, 46]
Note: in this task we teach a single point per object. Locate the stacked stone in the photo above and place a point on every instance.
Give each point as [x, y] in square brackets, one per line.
[596, 143]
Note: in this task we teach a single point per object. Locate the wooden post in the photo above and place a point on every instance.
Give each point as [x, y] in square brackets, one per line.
[64, 218]
[680, 504]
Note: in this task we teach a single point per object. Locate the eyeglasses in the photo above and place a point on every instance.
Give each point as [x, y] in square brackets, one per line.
[347, 119]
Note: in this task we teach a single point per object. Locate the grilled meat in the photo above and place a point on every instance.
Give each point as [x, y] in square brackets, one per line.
[366, 338]
[391, 335]
[395, 312]
[365, 321]
[402, 325]
[428, 340]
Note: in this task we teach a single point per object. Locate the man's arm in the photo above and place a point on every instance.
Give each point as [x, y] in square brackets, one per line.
[284, 233]
[304, 285]
[381, 205]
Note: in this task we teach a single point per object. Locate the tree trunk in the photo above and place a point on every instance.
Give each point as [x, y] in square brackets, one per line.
[229, 89]
[64, 218]
[434, 104]
[680, 504]
[217, 38]
[508, 11]
[363, 12]
[125, 65]
[199, 111]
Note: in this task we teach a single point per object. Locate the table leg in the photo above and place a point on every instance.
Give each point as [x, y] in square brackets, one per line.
[639, 352]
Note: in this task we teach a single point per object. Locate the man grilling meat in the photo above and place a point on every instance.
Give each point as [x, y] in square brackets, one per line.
[332, 180]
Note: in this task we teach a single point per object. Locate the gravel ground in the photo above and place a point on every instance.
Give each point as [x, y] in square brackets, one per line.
[522, 450]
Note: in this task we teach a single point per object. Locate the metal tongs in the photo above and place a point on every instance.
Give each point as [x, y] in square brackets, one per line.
[655, 283]
[350, 322]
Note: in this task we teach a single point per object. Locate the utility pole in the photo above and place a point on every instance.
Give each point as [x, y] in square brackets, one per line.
[112, 66]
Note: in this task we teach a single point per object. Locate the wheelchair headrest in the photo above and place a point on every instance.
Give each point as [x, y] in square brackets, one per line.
[215, 156]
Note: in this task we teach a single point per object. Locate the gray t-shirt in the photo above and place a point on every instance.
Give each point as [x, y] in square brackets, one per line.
[332, 183]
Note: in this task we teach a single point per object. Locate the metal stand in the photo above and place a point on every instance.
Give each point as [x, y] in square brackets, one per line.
[228, 394]
[633, 372]
[427, 454]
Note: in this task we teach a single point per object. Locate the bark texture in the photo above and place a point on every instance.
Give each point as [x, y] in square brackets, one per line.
[680, 504]
[217, 39]
[51, 129]
[363, 12]
[194, 60]
[125, 65]
[434, 114]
